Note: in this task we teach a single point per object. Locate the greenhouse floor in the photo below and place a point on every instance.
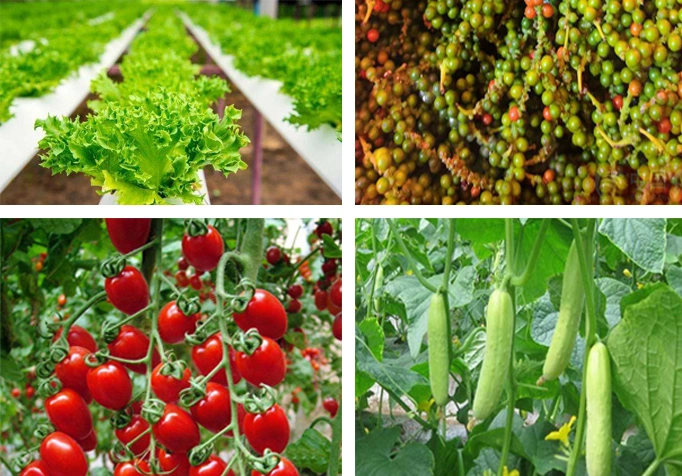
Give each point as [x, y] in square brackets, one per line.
[283, 173]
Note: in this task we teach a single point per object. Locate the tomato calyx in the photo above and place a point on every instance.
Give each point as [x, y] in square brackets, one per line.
[267, 462]
[113, 266]
[188, 306]
[260, 402]
[196, 227]
[248, 342]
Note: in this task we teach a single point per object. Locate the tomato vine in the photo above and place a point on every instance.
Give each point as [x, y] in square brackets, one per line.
[157, 416]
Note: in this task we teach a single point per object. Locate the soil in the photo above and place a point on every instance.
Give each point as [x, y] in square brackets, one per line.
[286, 179]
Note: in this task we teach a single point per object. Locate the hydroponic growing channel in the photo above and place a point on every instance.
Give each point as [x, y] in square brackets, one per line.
[158, 116]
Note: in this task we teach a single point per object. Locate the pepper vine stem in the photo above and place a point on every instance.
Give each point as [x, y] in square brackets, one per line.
[586, 256]
[413, 265]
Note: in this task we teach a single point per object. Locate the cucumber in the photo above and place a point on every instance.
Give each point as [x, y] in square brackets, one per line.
[570, 310]
[598, 397]
[500, 332]
[439, 349]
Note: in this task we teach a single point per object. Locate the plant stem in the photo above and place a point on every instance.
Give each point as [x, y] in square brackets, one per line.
[509, 245]
[149, 261]
[405, 407]
[410, 259]
[586, 269]
[653, 467]
[253, 254]
[298, 266]
[522, 279]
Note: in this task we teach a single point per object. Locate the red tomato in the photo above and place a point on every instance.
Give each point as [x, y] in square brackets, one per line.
[267, 430]
[78, 336]
[329, 267]
[331, 307]
[195, 282]
[182, 264]
[110, 385]
[264, 313]
[128, 234]
[30, 391]
[213, 466]
[176, 430]
[321, 300]
[73, 372]
[174, 324]
[167, 387]
[130, 468]
[294, 306]
[132, 430]
[203, 251]
[284, 468]
[214, 411]
[265, 366]
[174, 464]
[335, 293]
[128, 291]
[62, 455]
[295, 291]
[132, 344]
[61, 300]
[324, 228]
[337, 326]
[273, 255]
[181, 279]
[69, 413]
[36, 468]
[89, 443]
[16, 392]
[208, 355]
[331, 405]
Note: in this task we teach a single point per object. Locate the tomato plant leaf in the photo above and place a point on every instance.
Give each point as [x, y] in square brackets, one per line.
[646, 349]
[642, 240]
[310, 451]
[374, 455]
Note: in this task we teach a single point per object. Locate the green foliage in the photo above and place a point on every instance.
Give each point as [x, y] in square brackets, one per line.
[638, 303]
[304, 56]
[60, 37]
[154, 132]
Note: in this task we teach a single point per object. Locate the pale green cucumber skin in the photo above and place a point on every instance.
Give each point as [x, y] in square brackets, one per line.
[500, 332]
[568, 324]
[439, 349]
[598, 399]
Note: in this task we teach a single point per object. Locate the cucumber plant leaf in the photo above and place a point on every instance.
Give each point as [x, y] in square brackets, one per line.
[646, 349]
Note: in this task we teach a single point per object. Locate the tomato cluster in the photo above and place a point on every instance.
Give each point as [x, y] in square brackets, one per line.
[90, 372]
[326, 294]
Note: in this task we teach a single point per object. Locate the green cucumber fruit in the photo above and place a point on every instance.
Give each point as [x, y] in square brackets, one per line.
[439, 349]
[500, 332]
[598, 398]
[570, 310]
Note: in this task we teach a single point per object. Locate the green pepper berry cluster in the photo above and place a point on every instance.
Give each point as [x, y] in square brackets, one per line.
[513, 102]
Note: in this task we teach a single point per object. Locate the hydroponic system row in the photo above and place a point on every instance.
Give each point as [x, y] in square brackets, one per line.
[133, 95]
